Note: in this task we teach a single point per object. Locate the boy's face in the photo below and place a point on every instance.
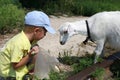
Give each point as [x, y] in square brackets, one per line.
[39, 33]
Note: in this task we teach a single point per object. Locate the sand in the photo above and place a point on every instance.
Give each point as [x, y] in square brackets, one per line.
[72, 47]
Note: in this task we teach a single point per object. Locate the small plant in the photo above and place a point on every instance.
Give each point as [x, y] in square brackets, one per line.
[83, 63]
[35, 77]
[99, 73]
[57, 76]
[66, 58]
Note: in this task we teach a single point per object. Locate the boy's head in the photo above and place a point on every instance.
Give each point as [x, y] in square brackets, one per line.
[39, 19]
[36, 25]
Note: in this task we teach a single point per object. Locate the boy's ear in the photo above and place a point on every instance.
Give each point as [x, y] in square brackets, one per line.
[36, 29]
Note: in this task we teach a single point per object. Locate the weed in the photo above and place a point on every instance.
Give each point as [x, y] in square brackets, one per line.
[99, 73]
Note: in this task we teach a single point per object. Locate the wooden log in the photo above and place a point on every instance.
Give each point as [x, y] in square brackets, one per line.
[88, 71]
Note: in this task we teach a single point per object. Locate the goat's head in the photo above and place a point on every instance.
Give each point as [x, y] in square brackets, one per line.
[66, 31]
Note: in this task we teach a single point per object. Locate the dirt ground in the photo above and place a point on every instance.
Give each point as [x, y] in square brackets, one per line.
[51, 42]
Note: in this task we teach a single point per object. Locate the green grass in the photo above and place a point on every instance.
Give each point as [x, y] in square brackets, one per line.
[11, 17]
[80, 63]
[98, 73]
[81, 7]
[73, 7]
[77, 63]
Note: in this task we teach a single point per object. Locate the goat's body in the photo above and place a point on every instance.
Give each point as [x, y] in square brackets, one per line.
[104, 29]
[106, 25]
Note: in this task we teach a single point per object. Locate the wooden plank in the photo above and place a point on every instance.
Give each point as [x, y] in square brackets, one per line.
[86, 72]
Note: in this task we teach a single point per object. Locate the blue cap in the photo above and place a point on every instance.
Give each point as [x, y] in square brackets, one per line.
[40, 19]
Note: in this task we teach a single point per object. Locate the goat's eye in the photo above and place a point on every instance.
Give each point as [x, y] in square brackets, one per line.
[65, 32]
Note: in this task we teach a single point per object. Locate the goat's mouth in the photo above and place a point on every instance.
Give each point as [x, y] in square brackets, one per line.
[62, 43]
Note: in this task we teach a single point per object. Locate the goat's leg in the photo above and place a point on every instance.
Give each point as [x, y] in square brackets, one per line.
[98, 50]
[102, 54]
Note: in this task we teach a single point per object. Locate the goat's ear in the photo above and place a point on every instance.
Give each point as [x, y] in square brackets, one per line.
[70, 28]
[59, 29]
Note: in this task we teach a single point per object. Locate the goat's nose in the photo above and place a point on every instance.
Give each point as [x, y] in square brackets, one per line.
[61, 43]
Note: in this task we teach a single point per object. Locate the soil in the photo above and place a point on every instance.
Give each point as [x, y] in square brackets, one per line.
[72, 47]
[5, 38]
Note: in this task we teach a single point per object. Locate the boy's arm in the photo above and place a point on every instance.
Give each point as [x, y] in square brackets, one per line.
[34, 50]
[23, 61]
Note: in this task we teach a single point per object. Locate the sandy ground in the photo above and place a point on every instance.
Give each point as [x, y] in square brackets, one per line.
[51, 42]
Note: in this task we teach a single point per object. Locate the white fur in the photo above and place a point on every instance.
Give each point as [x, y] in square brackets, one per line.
[104, 29]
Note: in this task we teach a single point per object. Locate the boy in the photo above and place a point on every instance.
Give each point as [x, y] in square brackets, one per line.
[17, 52]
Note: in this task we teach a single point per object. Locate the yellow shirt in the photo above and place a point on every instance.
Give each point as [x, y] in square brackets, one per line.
[13, 51]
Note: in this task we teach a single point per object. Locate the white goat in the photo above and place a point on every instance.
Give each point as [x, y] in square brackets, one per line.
[103, 28]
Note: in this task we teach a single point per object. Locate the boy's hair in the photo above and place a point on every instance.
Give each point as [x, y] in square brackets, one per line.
[29, 28]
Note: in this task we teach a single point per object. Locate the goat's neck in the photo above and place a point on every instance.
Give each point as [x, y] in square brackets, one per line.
[80, 27]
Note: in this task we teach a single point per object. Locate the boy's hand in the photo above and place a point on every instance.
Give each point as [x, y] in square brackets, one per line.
[33, 51]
